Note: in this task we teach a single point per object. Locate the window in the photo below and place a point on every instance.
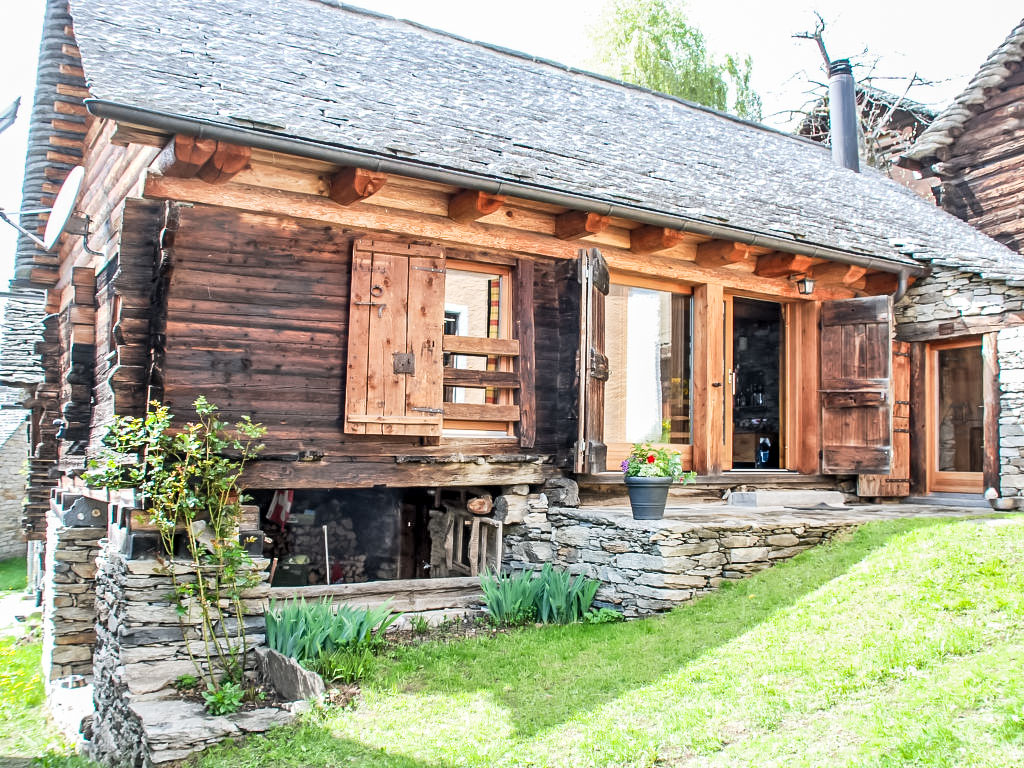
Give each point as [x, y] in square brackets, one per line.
[478, 360]
[648, 344]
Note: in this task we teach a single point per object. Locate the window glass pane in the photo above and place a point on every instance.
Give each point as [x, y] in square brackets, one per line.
[647, 339]
[961, 410]
[473, 307]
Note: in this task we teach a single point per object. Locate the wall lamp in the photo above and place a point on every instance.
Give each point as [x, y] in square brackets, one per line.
[804, 284]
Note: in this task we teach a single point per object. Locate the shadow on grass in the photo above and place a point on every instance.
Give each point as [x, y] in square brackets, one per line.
[305, 746]
[543, 677]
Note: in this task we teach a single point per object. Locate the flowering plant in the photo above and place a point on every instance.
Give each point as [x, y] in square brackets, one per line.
[646, 460]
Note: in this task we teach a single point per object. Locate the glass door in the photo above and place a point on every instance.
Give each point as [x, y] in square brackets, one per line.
[956, 418]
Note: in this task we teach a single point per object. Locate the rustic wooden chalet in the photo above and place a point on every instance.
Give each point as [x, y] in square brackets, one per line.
[975, 147]
[435, 268]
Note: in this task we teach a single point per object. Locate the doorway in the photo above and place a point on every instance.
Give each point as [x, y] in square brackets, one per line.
[754, 404]
[956, 417]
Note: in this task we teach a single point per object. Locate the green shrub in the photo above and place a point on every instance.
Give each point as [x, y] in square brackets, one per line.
[602, 616]
[346, 665]
[308, 630]
[553, 596]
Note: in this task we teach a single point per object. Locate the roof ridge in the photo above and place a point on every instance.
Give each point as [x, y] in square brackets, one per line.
[608, 79]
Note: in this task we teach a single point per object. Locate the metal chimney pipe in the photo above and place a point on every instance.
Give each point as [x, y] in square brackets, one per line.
[842, 115]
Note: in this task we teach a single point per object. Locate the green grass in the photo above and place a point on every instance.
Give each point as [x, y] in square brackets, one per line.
[900, 646]
[13, 574]
[25, 733]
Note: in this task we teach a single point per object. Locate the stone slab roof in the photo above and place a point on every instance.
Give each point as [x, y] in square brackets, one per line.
[951, 121]
[347, 78]
[12, 415]
[22, 330]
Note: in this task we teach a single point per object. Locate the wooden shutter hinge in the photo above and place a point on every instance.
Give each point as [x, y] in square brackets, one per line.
[598, 365]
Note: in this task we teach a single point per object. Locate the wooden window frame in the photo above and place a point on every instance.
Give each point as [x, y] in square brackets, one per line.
[487, 429]
[937, 480]
[618, 450]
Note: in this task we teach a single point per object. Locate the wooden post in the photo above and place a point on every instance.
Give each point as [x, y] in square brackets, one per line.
[708, 378]
[526, 362]
[990, 393]
[918, 418]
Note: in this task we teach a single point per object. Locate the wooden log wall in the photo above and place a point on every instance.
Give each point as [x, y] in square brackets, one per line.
[256, 321]
[983, 170]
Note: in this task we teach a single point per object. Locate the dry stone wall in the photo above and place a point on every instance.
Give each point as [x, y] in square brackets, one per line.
[69, 595]
[142, 646]
[1010, 352]
[653, 565]
[13, 461]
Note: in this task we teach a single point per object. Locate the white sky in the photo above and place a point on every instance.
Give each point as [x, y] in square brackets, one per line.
[938, 40]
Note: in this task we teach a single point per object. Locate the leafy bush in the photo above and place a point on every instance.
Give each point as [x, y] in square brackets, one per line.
[551, 597]
[308, 630]
[223, 700]
[602, 616]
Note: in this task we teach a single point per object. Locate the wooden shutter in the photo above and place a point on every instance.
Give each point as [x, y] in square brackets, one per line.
[897, 482]
[396, 320]
[856, 403]
[591, 451]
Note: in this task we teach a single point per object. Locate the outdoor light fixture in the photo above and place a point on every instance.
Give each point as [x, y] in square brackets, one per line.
[804, 284]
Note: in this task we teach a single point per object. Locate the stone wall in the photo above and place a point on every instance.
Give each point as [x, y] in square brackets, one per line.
[142, 647]
[646, 566]
[948, 295]
[13, 459]
[1010, 350]
[69, 597]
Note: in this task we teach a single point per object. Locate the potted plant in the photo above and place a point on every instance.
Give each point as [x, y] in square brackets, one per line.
[649, 472]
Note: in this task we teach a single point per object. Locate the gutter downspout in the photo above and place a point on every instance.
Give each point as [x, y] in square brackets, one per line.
[201, 128]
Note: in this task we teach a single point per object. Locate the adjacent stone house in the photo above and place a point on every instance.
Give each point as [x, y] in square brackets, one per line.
[13, 461]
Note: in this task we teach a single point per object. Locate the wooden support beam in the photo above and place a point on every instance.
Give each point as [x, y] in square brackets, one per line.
[183, 156]
[834, 272]
[350, 185]
[720, 253]
[652, 239]
[472, 204]
[877, 283]
[573, 225]
[779, 264]
[226, 161]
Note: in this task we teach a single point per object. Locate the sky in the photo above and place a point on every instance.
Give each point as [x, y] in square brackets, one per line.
[900, 39]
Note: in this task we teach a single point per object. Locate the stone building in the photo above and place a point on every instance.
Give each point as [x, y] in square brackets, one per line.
[13, 460]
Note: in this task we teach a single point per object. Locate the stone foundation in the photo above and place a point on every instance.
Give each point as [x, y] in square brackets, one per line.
[646, 566]
[142, 647]
[1010, 351]
[69, 596]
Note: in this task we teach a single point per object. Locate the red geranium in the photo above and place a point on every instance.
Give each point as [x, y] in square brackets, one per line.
[650, 458]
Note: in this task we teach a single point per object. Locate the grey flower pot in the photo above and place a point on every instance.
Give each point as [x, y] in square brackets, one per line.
[647, 496]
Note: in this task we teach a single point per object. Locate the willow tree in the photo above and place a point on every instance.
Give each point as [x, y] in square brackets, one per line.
[650, 43]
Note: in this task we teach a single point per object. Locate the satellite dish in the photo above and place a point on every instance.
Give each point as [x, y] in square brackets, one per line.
[63, 207]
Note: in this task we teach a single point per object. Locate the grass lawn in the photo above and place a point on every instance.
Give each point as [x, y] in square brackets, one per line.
[900, 646]
[13, 574]
[26, 737]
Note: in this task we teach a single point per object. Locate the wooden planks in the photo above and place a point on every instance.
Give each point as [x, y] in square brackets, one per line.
[526, 363]
[708, 378]
[897, 481]
[479, 345]
[990, 394]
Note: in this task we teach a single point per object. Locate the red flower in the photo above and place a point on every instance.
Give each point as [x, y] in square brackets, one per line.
[650, 458]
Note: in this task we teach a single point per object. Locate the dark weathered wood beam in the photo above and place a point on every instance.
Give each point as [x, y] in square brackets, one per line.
[834, 272]
[783, 264]
[350, 185]
[573, 225]
[881, 282]
[472, 204]
[720, 253]
[226, 161]
[653, 239]
[183, 156]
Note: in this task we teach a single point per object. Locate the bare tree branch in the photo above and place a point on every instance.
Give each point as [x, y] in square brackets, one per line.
[817, 37]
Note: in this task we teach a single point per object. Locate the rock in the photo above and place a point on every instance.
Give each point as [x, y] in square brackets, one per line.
[733, 542]
[516, 490]
[616, 546]
[291, 681]
[562, 492]
[748, 554]
[148, 677]
[783, 540]
[173, 722]
[260, 720]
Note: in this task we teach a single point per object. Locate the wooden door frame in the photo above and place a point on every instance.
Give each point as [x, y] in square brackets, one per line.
[936, 480]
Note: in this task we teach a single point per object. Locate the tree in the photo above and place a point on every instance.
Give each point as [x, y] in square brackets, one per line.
[650, 43]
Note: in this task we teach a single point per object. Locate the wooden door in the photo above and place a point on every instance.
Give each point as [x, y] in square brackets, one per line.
[856, 400]
[729, 385]
[897, 482]
[955, 420]
[592, 363]
[394, 372]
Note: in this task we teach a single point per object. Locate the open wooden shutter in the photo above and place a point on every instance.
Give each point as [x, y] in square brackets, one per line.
[897, 482]
[591, 451]
[856, 401]
[396, 320]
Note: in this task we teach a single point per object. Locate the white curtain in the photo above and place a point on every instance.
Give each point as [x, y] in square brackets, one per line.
[643, 366]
